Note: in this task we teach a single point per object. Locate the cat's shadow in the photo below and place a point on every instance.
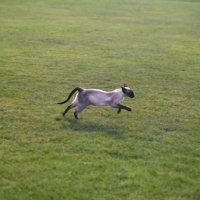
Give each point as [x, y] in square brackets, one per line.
[81, 125]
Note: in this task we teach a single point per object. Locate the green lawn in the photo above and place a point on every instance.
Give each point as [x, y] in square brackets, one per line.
[49, 47]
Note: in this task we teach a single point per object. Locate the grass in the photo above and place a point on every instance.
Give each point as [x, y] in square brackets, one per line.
[48, 48]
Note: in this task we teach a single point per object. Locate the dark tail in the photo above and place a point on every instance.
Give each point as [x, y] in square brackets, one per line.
[70, 95]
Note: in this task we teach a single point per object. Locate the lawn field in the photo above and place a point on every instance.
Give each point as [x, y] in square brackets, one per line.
[49, 47]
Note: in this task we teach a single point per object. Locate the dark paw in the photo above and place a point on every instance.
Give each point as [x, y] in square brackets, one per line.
[119, 111]
[75, 115]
